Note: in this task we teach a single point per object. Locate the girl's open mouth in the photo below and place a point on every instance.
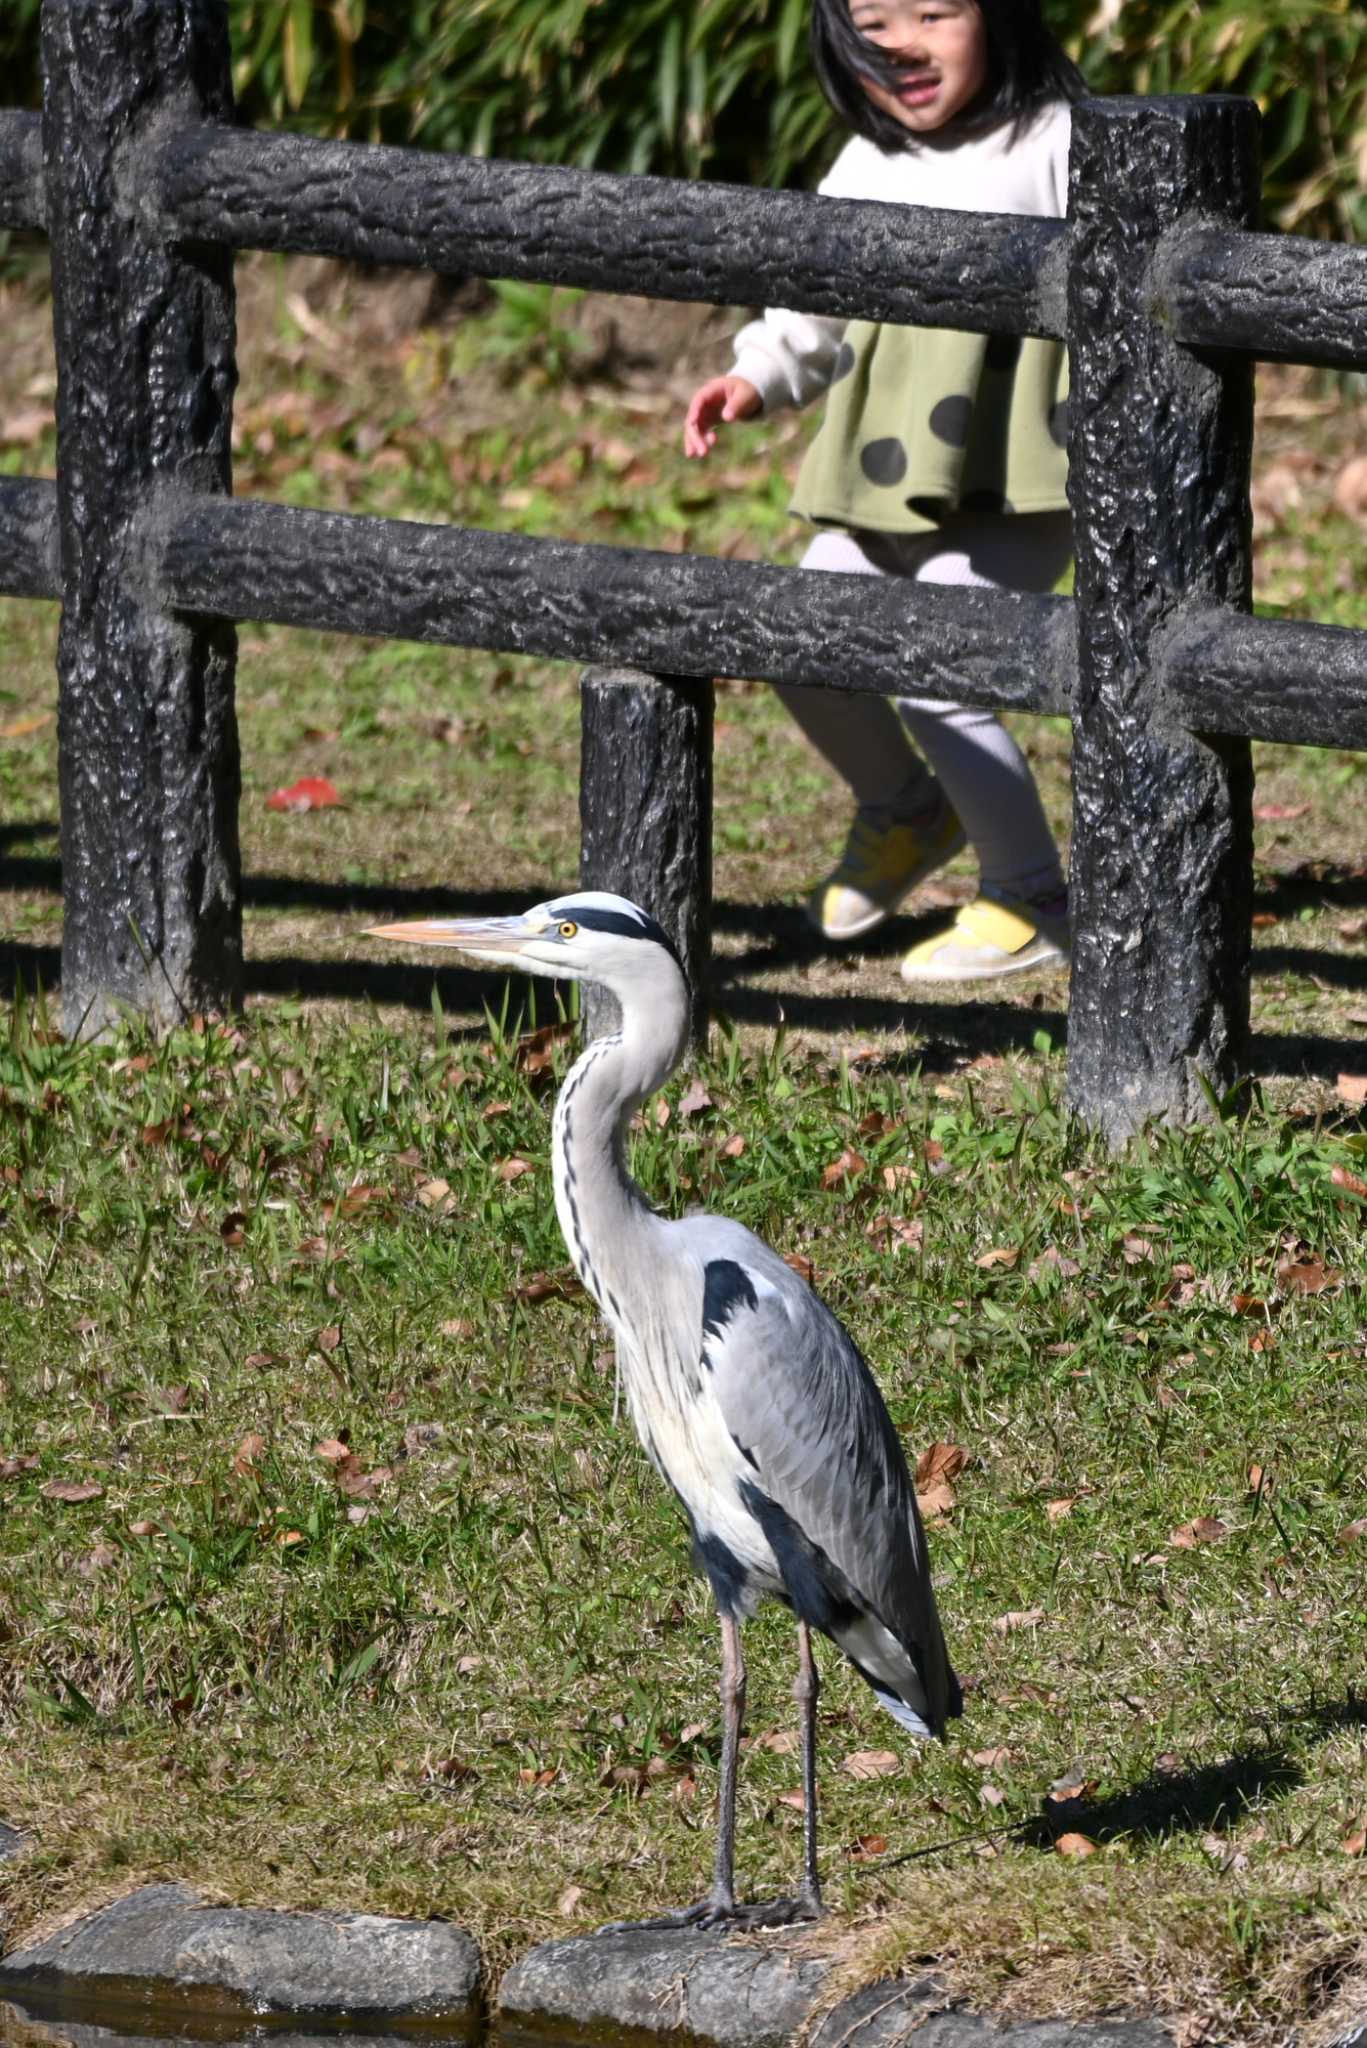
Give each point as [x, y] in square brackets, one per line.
[914, 92]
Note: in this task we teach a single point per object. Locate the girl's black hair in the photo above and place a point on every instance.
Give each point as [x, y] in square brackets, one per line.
[1026, 68]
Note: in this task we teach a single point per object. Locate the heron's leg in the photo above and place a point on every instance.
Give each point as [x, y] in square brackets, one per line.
[723, 1896]
[805, 1692]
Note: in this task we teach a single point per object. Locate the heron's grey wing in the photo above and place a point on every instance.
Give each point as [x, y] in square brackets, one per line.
[801, 1403]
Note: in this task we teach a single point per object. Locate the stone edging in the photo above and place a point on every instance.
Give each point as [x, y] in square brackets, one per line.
[160, 1961]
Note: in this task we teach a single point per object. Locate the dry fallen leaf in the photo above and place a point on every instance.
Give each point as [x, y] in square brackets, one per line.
[694, 1099]
[1205, 1529]
[1018, 1617]
[936, 1470]
[1057, 1510]
[867, 1845]
[797, 1799]
[1349, 1182]
[1307, 1276]
[990, 1796]
[1350, 488]
[248, 1451]
[734, 1146]
[512, 1169]
[1051, 1258]
[989, 1759]
[1355, 1844]
[801, 1265]
[548, 1287]
[71, 1491]
[872, 1763]
[1353, 1089]
[1275, 814]
[1352, 1532]
[850, 1164]
[567, 1905]
[1075, 1845]
[1000, 1255]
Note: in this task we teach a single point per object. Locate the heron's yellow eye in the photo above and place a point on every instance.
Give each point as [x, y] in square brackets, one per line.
[568, 929]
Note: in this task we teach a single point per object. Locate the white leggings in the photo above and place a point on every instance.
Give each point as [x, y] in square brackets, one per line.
[974, 758]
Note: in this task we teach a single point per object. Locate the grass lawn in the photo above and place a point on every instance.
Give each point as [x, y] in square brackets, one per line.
[329, 1574]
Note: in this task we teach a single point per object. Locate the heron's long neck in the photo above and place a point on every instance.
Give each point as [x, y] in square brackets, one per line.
[602, 1211]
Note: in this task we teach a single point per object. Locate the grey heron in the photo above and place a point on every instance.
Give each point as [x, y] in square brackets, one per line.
[752, 1400]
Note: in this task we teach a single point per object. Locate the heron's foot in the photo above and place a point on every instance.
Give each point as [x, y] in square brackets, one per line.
[725, 1915]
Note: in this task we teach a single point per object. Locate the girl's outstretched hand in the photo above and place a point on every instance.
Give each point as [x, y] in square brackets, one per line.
[721, 398]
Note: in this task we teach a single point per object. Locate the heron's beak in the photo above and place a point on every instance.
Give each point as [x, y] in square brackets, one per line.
[485, 936]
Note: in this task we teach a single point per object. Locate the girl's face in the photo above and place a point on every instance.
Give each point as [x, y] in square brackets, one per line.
[940, 49]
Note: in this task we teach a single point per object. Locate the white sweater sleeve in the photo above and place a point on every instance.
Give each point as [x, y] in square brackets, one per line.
[788, 357]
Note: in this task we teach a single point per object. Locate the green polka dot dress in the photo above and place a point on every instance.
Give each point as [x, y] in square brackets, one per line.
[922, 423]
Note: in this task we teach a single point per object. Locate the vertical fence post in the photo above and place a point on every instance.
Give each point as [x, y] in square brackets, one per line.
[645, 811]
[144, 334]
[1159, 460]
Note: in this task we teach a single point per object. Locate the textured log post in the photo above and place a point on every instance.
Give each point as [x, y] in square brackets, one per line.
[144, 334]
[645, 812]
[1160, 448]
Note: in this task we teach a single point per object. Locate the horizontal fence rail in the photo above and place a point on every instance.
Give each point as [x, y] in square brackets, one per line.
[662, 238]
[576, 601]
[1282, 298]
[1221, 671]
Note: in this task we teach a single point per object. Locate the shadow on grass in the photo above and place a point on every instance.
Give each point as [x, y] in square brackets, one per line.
[1210, 1797]
[947, 1032]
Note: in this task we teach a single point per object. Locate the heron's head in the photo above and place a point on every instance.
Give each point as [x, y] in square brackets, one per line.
[586, 936]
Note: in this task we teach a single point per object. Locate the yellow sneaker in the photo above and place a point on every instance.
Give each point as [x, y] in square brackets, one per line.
[988, 939]
[884, 860]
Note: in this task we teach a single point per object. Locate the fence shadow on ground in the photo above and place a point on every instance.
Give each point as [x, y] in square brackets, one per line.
[781, 944]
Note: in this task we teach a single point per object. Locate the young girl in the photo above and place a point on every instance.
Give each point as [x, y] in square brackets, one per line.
[940, 458]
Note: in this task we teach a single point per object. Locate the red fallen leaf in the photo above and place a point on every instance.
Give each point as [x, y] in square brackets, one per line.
[1205, 1529]
[694, 1100]
[867, 1845]
[531, 1776]
[1072, 1788]
[734, 1146]
[1353, 1089]
[355, 1481]
[310, 793]
[512, 1169]
[248, 1451]
[1276, 814]
[1249, 1305]
[896, 1233]
[801, 1265]
[1349, 1182]
[685, 1788]
[1263, 1340]
[71, 1490]
[1075, 1845]
[849, 1163]
[1262, 919]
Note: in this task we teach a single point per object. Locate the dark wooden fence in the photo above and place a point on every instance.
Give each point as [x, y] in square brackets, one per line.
[1158, 279]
